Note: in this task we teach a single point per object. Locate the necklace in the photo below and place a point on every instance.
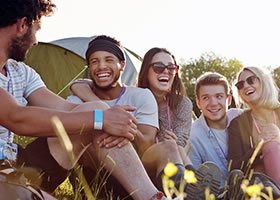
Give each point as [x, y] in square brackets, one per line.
[168, 116]
[120, 95]
[256, 124]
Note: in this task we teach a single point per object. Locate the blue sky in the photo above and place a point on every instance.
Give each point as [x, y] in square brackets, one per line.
[247, 30]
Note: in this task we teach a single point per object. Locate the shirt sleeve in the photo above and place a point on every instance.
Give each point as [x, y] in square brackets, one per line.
[147, 110]
[33, 80]
[74, 99]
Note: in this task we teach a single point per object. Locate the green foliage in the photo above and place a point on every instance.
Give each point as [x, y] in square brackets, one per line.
[207, 62]
[276, 76]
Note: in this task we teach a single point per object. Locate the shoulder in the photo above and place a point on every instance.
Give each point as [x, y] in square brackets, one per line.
[241, 120]
[138, 91]
[242, 115]
[13, 64]
[20, 69]
[185, 104]
[184, 107]
[140, 94]
[233, 113]
[278, 111]
[197, 125]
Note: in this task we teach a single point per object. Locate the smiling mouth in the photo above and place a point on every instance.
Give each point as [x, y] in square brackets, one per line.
[214, 110]
[249, 92]
[103, 75]
[163, 79]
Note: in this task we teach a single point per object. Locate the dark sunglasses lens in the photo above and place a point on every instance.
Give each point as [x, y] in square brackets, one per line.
[251, 80]
[240, 85]
[172, 69]
[158, 68]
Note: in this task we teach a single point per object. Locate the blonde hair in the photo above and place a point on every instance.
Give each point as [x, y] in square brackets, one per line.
[270, 91]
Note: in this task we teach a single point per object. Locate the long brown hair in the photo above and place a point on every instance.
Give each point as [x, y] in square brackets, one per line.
[177, 89]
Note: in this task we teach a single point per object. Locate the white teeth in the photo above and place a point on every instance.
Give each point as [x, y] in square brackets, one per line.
[214, 110]
[103, 75]
[163, 78]
[249, 92]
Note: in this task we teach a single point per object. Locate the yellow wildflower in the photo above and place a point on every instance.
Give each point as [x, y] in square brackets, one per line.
[171, 183]
[254, 190]
[170, 169]
[189, 176]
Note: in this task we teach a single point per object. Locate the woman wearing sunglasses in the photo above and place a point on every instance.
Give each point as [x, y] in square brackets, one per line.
[159, 73]
[260, 122]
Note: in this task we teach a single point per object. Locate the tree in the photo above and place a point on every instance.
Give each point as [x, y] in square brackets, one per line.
[207, 62]
[276, 76]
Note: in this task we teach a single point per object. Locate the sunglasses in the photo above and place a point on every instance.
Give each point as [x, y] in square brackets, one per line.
[250, 80]
[159, 67]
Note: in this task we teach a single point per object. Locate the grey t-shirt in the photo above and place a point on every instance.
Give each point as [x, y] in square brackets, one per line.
[142, 99]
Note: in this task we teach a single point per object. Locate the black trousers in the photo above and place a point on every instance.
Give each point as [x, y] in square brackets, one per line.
[37, 155]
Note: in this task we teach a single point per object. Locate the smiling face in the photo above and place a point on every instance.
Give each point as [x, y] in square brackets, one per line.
[161, 83]
[105, 69]
[250, 93]
[213, 102]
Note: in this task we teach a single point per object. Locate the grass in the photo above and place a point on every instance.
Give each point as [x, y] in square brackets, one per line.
[97, 190]
[66, 191]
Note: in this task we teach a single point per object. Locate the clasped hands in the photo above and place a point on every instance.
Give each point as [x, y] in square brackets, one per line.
[119, 127]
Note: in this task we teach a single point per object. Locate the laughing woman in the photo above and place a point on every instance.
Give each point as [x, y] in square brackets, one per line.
[260, 122]
[159, 73]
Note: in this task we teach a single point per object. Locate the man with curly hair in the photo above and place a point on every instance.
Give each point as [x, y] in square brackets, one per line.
[27, 106]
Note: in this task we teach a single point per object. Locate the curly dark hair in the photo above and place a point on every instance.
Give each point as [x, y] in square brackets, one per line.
[12, 10]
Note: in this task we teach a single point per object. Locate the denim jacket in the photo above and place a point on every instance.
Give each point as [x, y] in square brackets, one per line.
[205, 146]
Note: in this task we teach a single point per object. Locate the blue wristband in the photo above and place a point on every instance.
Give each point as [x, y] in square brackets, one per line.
[98, 119]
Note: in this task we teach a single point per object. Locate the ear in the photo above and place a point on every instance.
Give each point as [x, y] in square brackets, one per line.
[122, 64]
[229, 99]
[197, 102]
[22, 25]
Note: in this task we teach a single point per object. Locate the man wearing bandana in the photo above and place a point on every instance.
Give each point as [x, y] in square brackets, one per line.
[106, 60]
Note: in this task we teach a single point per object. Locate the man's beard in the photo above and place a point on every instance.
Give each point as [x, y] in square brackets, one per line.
[19, 46]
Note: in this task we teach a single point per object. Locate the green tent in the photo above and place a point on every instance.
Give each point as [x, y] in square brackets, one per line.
[61, 61]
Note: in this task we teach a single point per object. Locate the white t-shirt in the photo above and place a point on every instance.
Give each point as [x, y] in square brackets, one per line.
[20, 82]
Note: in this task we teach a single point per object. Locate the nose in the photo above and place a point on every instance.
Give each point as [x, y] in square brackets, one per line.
[213, 101]
[165, 71]
[102, 64]
[35, 43]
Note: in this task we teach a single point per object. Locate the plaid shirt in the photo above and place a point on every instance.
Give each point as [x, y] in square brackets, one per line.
[20, 82]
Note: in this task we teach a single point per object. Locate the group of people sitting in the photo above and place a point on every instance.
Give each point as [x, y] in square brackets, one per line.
[131, 132]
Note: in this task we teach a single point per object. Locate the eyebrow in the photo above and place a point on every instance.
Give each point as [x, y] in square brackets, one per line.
[220, 93]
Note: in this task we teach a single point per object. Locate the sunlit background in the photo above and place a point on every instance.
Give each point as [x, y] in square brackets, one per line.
[247, 30]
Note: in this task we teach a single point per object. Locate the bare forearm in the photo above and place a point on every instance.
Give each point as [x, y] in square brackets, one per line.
[145, 138]
[34, 121]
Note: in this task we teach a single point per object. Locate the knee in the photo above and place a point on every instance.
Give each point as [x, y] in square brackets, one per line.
[169, 145]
